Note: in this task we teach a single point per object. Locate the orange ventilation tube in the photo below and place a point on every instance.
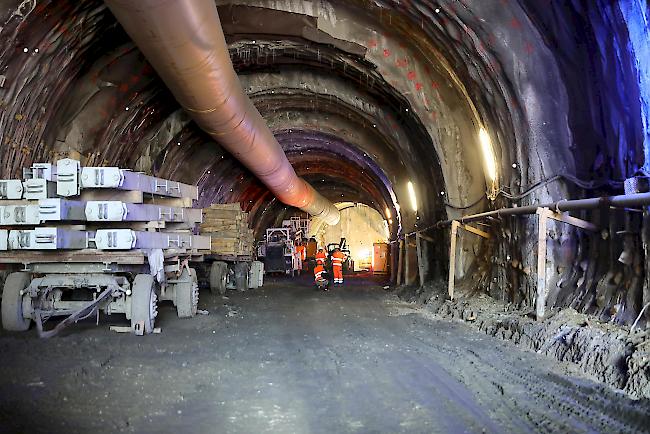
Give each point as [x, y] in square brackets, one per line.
[183, 40]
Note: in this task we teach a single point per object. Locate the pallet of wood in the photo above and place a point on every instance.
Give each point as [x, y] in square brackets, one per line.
[227, 226]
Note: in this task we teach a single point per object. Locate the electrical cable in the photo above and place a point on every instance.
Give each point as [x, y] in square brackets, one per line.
[587, 185]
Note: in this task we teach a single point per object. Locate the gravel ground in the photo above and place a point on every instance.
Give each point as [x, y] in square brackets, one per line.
[285, 358]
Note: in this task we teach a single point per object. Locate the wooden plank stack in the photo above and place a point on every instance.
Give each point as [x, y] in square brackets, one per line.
[227, 226]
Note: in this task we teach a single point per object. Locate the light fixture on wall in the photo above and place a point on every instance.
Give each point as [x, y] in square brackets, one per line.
[388, 214]
[488, 155]
[414, 200]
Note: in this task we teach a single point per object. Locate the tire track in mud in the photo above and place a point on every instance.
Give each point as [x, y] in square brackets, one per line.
[549, 401]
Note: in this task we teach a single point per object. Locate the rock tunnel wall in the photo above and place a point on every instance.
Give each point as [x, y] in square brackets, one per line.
[365, 97]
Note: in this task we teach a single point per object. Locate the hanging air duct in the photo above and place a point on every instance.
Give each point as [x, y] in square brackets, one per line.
[184, 42]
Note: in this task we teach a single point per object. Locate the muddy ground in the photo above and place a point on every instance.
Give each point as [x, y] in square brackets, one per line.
[610, 353]
[285, 358]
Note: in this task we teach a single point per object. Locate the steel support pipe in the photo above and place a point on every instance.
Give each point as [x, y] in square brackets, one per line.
[184, 42]
[620, 201]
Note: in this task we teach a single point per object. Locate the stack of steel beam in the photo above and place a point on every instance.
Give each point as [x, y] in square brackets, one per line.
[65, 206]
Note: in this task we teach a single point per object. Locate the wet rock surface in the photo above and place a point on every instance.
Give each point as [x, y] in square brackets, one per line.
[285, 358]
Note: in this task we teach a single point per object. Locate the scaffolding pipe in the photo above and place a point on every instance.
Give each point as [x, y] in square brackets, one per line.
[184, 42]
[620, 201]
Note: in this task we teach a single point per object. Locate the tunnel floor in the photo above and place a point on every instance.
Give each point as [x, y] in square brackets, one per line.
[285, 358]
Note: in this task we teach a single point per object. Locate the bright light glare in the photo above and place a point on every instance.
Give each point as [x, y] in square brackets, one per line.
[414, 201]
[488, 154]
[388, 214]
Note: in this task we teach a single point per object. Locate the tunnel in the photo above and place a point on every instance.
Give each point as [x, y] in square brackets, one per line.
[498, 149]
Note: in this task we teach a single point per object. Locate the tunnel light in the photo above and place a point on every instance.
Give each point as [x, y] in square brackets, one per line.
[514, 165]
[388, 214]
[488, 154]
[414, 201]
[35, 50]
[25, 50]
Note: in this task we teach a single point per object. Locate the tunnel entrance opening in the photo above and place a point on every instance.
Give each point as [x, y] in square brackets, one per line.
[362, 227]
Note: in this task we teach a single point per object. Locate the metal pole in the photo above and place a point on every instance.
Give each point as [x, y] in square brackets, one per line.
[452, 258]
[540, 303]
[620, 201]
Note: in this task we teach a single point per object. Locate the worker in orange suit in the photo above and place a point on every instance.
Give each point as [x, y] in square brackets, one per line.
[302, 251]
[319, 278]
[320, 257]
[337, 266]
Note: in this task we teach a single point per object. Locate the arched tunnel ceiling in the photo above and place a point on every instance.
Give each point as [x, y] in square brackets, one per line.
[363, 96]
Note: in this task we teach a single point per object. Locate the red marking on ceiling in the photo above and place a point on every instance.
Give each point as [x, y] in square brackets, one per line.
[515, 23]
[401, 62]
[435, 85]
[529, 47]
[147, 69]
[386, 52]
[372, 43]
[418, 86]
[411, 75]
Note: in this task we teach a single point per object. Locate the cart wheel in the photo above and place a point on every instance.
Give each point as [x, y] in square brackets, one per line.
[12, 303]
[187, 294]
[144, 302]
[218, 277]
[241, 276]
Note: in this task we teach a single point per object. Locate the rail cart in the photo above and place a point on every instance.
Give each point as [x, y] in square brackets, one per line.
[239, 272]
[96, 239]
[80, 284]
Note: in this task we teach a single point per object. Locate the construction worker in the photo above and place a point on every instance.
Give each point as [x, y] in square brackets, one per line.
[319, 279]
[337, 265]
[320, 257]
[302, 251]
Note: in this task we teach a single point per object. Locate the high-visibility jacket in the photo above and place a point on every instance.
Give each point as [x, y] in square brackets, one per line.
[318, 272]
[337, 259]
[303, 252]
[321, 257]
